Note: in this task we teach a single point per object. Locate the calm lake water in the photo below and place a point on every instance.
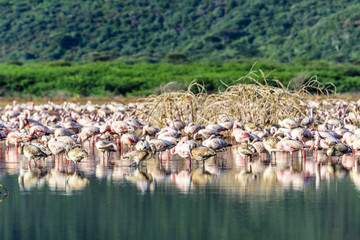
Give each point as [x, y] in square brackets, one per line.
[299, 199]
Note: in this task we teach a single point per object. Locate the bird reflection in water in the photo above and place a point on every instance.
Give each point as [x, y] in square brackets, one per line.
[355, 175]
[182, 180]
[199, 176]
[143, 180]
[57, 180]
[31, 178]
[76, 182]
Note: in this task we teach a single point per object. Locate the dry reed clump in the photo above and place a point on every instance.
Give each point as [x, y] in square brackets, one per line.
[258, 102]
[182, 105]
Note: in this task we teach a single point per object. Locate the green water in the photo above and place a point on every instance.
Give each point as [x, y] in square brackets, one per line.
[110, 207]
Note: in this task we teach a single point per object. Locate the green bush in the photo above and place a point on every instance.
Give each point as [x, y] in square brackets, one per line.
[176, 58]
[142, 78]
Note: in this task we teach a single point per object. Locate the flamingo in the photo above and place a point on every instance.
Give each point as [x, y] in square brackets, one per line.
[15, 137]
[289, 145]
[162, 145]
[177, 124]
[192, 128]
[307, 121]
[105, 146]
[75, 153]
[56, 147]
[31, 151]
[245, 150]
[87, 132]
[63, 132]
[129, 139]
[139, 156]
[216, 144]
[201, 154]
[142, 144]
[270, 144]
[216, 127]
[337, 149]
[289, 123]
[150, 131]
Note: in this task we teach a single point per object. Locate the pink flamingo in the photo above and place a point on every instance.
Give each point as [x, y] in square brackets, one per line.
[128, 139]
[205, 134]
[192, 128]
[177, 124]
[289, 145]
[150, 131]
[289, 123]
[216, 144]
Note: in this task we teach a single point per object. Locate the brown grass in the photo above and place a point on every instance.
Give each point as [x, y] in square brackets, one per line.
[262, 103]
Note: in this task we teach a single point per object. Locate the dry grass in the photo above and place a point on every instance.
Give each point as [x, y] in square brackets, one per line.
[261, 103]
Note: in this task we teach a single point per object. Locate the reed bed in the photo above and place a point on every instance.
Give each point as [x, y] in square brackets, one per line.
[259, 102]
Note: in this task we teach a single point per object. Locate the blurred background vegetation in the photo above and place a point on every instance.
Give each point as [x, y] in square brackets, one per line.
[128, 47]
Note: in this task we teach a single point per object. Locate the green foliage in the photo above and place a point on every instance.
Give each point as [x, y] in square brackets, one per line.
[176, 58]
[101, 56]
[142, 78]
[59, 63]
[50, 30]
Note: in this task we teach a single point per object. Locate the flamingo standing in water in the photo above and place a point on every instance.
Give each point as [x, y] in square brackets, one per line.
[31, 151]
[289, 145]
[162, 145]
[245, 150]
[201, 154]
[75, 154]
[142, 144]
[105, 146]
[216, 144]
[139, 156]
[337, 149]
[128, 139]
[270, 145]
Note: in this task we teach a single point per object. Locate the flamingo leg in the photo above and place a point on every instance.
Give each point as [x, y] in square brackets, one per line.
[189, 164]
[119, 146]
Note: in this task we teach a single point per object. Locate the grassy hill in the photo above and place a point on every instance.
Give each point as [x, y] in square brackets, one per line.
[91, 30]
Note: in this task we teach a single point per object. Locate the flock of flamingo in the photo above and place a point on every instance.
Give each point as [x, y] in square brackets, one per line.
[56, 133]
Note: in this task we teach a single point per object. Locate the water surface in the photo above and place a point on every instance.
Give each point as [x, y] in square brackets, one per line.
[299, 199]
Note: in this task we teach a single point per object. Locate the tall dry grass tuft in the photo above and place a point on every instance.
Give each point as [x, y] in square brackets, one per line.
[261, 103]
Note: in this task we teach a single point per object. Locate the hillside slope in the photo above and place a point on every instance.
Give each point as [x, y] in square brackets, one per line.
[47, 30]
